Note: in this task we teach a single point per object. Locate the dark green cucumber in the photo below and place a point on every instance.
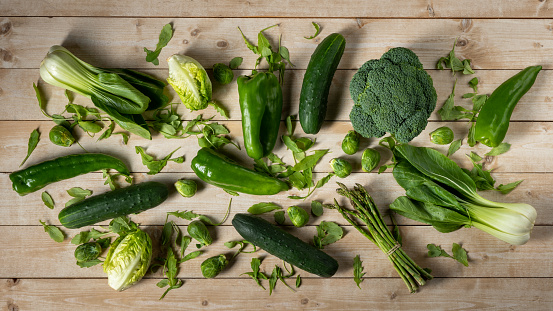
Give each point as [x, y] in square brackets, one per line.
[317, 80]
[119, 202]
[283, 245]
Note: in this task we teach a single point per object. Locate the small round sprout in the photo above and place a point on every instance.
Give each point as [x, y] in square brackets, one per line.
[370, 159]
[186, 187]
[350, 144]
[199, 232]
[88, 251]
[212, 266]
[298, 216]
[61, 136]
[442, 136]
[341, 167]
[222, 73]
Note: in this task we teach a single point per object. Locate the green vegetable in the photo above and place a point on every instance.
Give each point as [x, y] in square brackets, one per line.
[255, 274]
[317, 31]
[212, 266]
[123, 94]
[260, 97]
[218, 170]
[186, 187]
[298, 216]
[454, 146]
[47, 200]
[284, 245]
[263, 207]
[370, 159]
[39, 175]
[341, 167]
[199, 232]
[171, 274]
[441, 136]
[78, 195]
[128, 259]
[316, 208]
[493, 121]
[222, 73]
[33, 142]
[61, 136]
[317, 81]
[428, 177]
[190, 81]
[279, 217]
[378, 233]
[358, 270]
[350, 144]
[119, 202]
[499, 149]
[155, 166]
[54, 232]
[88, 251]
[85, 236]
[459, 253]
[327, 233]
[483, 179]
[392, 94]
[454, 63]
[164, 38]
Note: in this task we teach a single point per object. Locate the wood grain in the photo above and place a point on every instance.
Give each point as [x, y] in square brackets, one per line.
[109, 42]
[18, 91]
[304, 8]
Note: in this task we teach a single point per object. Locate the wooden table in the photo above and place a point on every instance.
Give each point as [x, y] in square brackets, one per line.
[500, 37]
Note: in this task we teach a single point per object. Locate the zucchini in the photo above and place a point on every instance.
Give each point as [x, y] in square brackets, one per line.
[119, 202]
[283, 245]
[317, 80]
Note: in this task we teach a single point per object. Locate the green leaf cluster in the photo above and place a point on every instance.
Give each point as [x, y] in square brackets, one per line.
[459, 253]
[155, 166]
[164, 38]
[455, 64]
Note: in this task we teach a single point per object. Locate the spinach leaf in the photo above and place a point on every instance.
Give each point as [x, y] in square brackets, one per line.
[317, 208]
[309, 161]
[454, 146]
[317, 31]
[263, 207]
[85, 236]
[164, 38]
[327, 233]
[505, 189]
[155, 166]
[33, 142]
[235, 62]
[502, 148]
[473, 83]
[358, 270]
[47, 200]
[78, 195]
[54, 232]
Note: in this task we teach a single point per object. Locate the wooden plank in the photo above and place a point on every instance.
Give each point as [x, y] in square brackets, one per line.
[304, 8]
[314, 294]
[488, 256]
[17, 89]
[212, 201]
[530, 140]
[109, 42]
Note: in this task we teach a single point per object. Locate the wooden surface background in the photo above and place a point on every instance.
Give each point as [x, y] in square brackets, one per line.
[501, 37]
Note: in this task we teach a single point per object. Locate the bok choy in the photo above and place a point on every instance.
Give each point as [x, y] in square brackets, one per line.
[441, 194]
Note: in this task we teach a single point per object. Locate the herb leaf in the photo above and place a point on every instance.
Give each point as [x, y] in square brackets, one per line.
[327, 233]
[317, 31]
[155, 166]
[33, 142]
[235, 62]
[47, 199]
[164, 38]
[500, 149]
[317, 208]
[279, 217]
[454, 146]
[78, 195]
[505, 189]
[459, 253]
[263, 207]
[54, 232]
[358, 270]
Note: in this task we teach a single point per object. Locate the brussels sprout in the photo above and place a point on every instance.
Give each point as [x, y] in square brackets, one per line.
[370, 159]
[61, 136]
[128, 259]
[441, 136]
[186, 187]
[199, 232]
[350, 144]
[341, 167]
[298, 216]
[88, 251]
[190, 81]
[212, 266]
[222, 73]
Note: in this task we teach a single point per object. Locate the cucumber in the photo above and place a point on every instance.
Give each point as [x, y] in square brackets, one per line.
[119, 202]
[283, 245]
[317, 80]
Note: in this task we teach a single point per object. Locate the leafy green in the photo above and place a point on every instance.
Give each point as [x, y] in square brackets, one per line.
[78, 195]
[473, 83]
[164, 38]
[47, 200]
[85, 236]
[327, 233]
[110, 179]
[298, 216]
[256, 275]
[358, 270]
[33, 142]
[235, 62]
[317, 31]
[454, 63]
[54, 232]
[155, 166]
[263, 207]
[222, 73]
[502, 148]
[199, 232]
[279, 217]
[459, 253]
[170, 271]
[317, 208]
[454, 146]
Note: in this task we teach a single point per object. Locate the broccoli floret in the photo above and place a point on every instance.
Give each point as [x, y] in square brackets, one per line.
[392, 94]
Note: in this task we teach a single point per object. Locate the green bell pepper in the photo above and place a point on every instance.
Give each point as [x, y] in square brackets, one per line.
[493, 120]
[218, 170]
[260, 97]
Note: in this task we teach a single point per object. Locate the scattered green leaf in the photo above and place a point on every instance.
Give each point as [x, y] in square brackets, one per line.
[263, 207]
[459, 253]
[47, 200]
[54, 232]
[317, 31]
[155, 166]
[502, 148]
[358, 270]
[317, 208]
[164, 38]
[454, 146]
[327, 233]
[33, 142]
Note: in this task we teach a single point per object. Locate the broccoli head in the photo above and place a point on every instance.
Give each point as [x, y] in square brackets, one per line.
[392, 94]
